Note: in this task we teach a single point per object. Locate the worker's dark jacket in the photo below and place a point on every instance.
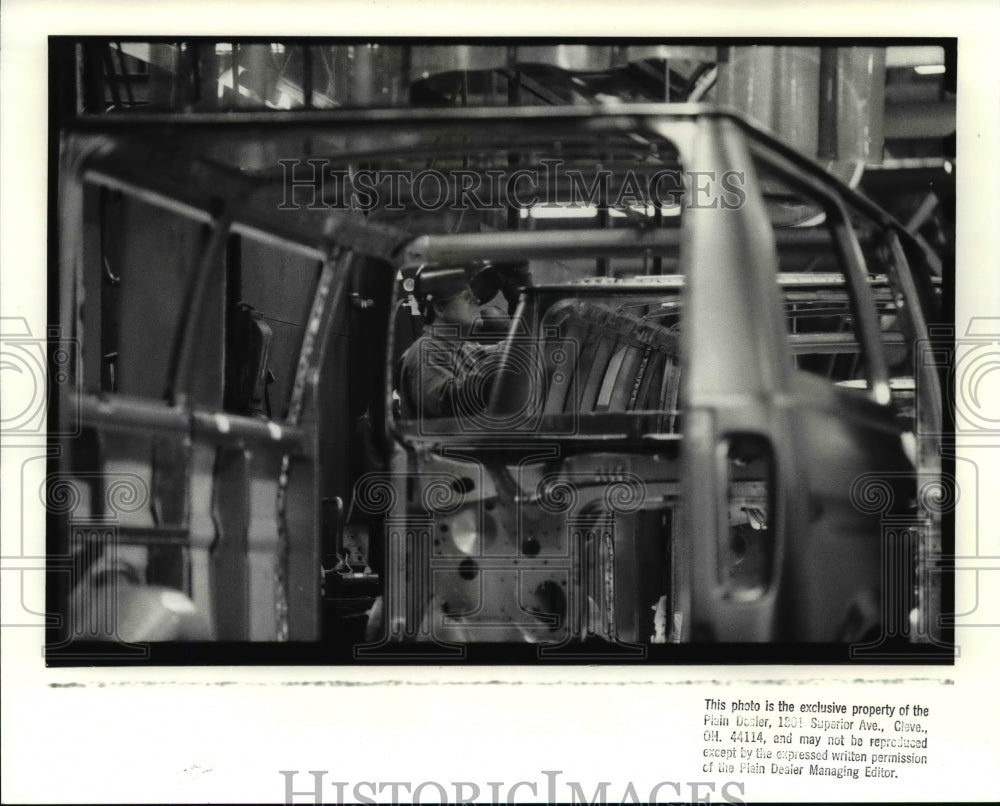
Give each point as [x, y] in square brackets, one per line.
[443, 375]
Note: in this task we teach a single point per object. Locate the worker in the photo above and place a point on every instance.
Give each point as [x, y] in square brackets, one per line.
[446, 372]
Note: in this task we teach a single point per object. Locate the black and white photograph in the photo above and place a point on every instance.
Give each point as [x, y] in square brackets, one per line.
[535, 351]
[529, 390]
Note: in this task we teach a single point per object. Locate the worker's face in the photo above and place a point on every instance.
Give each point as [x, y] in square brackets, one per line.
[461, 309]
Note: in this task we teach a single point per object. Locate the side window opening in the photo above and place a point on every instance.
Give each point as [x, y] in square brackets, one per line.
[819, 308]
[136, 280]
[268, 296]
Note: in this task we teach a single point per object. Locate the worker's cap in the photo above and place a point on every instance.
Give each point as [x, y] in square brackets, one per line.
[441, 283]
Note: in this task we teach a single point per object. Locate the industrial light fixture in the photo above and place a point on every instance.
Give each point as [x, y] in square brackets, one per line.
[590, 211]
[929, 69]
[559, 211]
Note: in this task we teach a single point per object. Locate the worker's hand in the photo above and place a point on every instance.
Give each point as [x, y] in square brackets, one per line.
[512, 277]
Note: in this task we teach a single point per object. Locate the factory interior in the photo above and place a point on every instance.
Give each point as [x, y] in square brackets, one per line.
[697, 410]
